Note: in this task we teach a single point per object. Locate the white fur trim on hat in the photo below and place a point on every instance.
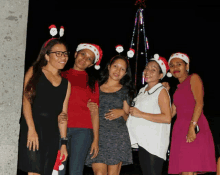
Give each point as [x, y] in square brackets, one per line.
[161, 64]
[90, 47]
[179, 55]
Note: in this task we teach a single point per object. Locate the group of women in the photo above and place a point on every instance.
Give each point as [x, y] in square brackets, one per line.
[104, 118]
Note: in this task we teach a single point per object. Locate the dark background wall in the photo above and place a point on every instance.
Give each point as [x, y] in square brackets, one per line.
[171, 26]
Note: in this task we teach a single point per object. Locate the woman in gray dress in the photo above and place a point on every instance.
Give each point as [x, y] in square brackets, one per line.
[116, 93]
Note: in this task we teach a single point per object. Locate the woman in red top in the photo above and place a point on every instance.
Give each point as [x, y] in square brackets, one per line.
[81, 124]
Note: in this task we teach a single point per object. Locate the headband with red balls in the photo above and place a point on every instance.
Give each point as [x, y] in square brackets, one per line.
[95, 49]
[53, 32]
[162, 63]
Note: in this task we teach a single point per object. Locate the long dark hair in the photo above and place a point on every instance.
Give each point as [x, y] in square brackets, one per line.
[126, 81]
[92, 78]
[30, 90]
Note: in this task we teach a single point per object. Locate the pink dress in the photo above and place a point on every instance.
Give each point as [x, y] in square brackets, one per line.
[197, 156]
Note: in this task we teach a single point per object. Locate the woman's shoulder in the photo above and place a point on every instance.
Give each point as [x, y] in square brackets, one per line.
[124, 89]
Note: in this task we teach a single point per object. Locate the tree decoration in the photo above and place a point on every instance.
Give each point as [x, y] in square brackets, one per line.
[139, 26]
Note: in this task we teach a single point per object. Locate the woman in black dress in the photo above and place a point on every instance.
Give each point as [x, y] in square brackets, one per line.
[45, 97]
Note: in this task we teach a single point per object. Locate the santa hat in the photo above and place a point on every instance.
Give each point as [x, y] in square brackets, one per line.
[162, 63]
[95, 49]
[58, 164]
[181, 56]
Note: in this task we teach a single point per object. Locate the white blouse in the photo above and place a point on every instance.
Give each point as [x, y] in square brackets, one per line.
[152, 136]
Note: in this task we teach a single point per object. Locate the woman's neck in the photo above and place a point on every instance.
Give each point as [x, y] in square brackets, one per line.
[112, 83]
[181, 79]
[150, 85]
[76, 68]
[51, 69]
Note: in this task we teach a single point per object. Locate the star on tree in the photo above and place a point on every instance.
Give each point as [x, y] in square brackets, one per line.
[141, 3]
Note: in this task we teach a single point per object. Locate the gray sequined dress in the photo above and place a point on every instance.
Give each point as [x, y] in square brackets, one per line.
[114, 141]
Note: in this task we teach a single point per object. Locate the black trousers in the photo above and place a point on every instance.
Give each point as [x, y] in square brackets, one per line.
[150, 164]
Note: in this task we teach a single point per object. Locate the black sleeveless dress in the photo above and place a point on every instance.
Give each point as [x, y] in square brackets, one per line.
[46, 107]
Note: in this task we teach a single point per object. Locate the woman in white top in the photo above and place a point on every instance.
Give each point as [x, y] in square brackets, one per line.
[149, 120]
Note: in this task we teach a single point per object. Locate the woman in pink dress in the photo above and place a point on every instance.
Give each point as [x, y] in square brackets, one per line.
[190, 153]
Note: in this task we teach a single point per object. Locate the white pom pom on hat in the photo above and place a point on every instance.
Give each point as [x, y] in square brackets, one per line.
[61, 167]
[156, 56]
[169, 74]
[97, 67]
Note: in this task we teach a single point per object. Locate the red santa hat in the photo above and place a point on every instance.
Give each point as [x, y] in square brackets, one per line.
[181, 56]
[95, 49]
[162, 63]
[58, 164]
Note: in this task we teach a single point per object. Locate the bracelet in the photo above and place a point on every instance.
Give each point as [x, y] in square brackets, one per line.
[64, 141]
[193, 122]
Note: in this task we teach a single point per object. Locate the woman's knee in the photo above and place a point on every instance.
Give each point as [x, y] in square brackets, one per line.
[100, 172]
[99, 168]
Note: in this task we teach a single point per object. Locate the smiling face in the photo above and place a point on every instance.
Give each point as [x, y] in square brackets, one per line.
[152, 72]
[83, 59]
[53, 60]
[178, 68]
[117, 69]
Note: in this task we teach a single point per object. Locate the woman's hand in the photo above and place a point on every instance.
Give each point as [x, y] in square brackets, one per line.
[191, 136]
[93, 107]
[32, 140]
[135, 112]
[63, 151]
[62, 117]
[166, 85]
[94, 149]
[114, 114]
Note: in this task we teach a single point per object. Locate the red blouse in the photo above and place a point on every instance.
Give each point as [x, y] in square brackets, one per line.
[78, 112]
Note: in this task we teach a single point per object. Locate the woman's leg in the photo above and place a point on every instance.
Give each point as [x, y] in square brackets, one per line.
[189, 173]
[150, 164]
[78, 149]
[114, 169]
[218, 167]
[33, 173]
[99, 168]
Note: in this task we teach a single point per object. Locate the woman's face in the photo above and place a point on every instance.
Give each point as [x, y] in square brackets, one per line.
[152, 72]
[117, 69]
[58, 56]
[178, 68]
[83, 59]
